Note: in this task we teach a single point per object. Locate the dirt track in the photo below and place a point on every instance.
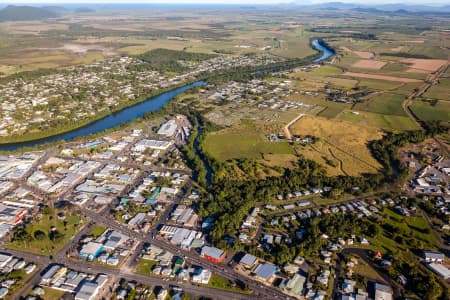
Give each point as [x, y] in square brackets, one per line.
[286, 130]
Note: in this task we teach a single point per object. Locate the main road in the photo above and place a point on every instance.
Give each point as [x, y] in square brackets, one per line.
[191, 257]
[82, 266]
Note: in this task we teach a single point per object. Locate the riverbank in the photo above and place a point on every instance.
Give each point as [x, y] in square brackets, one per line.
[136, 109]
[88, 121]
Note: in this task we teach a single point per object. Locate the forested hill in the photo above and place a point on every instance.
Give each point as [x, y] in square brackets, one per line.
[25, 13]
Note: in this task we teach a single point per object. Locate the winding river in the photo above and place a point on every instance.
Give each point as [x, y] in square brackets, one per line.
[320, 46]
[133, 112]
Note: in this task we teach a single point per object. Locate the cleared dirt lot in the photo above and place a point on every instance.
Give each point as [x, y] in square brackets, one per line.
[381, 77]
[429, 65]
[369, 64]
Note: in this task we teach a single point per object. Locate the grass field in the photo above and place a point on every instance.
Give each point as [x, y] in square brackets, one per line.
[332, 109]
[427, 112]
[385, 103]
[411, 229]
[45, 246]
[242, 141]
[386, 122]
[439, 91]
[97, 231]
[342, 143]
[294, 44]
[221, 283]
[145, 267]
[326, 70]
[365, 270]
[382, 85]
[52, 294]
[406, 88]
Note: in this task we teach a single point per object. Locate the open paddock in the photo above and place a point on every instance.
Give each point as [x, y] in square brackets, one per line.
[384, 103]
[425, 65]
[381, 77]
[342, 141]
[428, 112]
[364, 54]
[439, 91]
[386, 122]
[242, 141]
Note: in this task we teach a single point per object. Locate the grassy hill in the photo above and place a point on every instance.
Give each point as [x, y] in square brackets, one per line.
[25, 13]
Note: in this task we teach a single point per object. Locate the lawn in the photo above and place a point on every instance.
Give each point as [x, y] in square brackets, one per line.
[365, 270]
[144, 266]
[97, 231]
[221, 283]
[242, 141]
[427, 112]
[385, 103]
[43, 245]
[52, 294]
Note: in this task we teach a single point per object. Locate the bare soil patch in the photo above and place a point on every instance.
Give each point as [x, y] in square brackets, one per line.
[430, 65]
[398, 49]
[369, 64]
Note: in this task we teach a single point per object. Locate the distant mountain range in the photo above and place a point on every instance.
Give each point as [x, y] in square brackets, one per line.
[377, 8]
[31, 13]
[25, 13]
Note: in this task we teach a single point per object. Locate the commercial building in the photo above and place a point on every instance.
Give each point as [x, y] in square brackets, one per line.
[91, 250]
[213, 254]
[265, 272]
[248, 261]
[88, 290]
[168, 129]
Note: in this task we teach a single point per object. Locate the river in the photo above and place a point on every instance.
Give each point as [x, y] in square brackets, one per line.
[326, 52]
[115, 119]
[133, 112]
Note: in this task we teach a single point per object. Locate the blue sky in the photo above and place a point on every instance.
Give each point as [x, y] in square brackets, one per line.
[225, 1]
